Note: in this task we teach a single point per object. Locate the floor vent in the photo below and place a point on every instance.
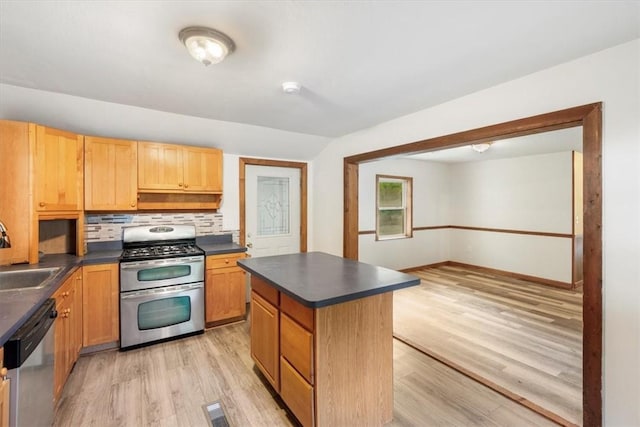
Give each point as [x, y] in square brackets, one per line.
[215, 414]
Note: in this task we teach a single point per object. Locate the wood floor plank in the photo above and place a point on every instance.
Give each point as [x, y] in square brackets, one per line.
[166, 385]
[520, 336]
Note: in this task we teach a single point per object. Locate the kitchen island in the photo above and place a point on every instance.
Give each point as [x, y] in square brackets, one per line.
[321, 333]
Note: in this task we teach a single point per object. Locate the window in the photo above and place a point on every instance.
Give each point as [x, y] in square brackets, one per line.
[393, 204]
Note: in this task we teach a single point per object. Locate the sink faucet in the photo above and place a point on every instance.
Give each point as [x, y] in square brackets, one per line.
[5, 242]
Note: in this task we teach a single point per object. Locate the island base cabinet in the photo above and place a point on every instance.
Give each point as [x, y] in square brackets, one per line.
[335, 362]
[354, 365]
[265, 330]
[296, 393]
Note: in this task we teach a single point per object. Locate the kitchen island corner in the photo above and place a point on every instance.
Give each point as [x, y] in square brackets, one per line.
[322, 335]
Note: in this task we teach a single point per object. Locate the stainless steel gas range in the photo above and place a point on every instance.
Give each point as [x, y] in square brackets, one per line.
[161, 284]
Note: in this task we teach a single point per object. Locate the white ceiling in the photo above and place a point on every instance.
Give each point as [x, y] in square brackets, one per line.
[541, 143]
[360, 62]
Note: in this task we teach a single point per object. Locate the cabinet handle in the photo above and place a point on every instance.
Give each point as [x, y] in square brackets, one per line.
[186, 186]
[3, 374]
[133, 205]
[41, 204]
[226, 261]
[179, 184]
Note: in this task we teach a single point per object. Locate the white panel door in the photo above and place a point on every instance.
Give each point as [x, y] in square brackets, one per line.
[272, 209]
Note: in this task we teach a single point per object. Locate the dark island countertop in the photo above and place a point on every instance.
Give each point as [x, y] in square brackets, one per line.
[317, 279]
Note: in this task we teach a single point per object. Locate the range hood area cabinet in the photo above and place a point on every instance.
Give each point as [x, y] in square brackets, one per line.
[168, 168]
[111, 174]
[178, 177]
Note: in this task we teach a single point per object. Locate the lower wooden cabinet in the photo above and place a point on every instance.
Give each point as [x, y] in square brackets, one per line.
[225, 289]
[100, 304]
[5, 386]
[282, 346]
[265, 331]
[68, 329]
[296, 392]
[326, 366]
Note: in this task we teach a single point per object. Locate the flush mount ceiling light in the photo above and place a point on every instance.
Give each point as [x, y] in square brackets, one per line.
[291, 87]
[481, 148]
[206, 45]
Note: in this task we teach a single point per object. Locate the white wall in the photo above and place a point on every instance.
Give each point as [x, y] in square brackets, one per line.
[611, 76]
[430, 208]
[230, 206]
[99, 118]
[531, 193]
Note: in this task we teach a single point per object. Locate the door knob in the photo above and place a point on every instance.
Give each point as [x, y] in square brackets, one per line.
[249, 245]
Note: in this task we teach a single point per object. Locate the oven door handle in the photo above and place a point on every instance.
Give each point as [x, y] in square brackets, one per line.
[164, 263]
[161, 291]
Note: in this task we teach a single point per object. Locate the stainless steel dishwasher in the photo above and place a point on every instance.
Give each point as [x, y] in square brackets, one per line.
[29, 357]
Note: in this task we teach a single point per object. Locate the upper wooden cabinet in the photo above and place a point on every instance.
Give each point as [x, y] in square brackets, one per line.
[58, 170]
[168, 168]
[110, 174]
[15, 197]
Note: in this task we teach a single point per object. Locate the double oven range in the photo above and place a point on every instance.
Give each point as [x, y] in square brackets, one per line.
[161, 284]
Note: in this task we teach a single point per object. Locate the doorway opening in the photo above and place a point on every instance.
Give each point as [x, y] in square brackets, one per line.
[244, 162]
[590, 118]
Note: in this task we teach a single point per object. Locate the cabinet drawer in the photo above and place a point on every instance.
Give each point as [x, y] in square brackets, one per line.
[224, 260]
[265, 290]
[296, 393]
[297, 311]
[296, 345]
[64, 293]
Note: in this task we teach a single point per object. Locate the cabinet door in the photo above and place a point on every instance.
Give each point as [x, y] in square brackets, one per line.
[264, 339]
[100, 304]
[15, 205]
[225, 289]
[297, 394]
[111, 174]
[58, 170]
[202, 169]
[61, 342]
[4, 394]
[296, 345]
[160, 167]
[76, 317]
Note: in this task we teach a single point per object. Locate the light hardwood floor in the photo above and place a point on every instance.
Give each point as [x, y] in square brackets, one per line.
[167, 384]
[521, 338]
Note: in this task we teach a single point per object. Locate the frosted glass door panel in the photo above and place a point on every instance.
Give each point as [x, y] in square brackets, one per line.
[273, 207]
[272, 200]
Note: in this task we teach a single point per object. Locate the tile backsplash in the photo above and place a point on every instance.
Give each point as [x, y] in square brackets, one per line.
[108, 227]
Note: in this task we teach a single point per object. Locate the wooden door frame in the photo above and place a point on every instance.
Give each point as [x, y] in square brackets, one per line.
[590, 118]
[244, 161]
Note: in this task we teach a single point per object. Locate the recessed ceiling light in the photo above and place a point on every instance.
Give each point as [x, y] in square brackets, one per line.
[206, 45]
[291, 87]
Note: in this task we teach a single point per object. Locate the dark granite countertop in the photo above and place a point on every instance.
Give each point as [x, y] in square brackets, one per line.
[17, 305]
[317, 279]
[218, 244]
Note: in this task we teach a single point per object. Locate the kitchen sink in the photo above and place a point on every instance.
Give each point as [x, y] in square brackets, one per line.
[33, 278]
